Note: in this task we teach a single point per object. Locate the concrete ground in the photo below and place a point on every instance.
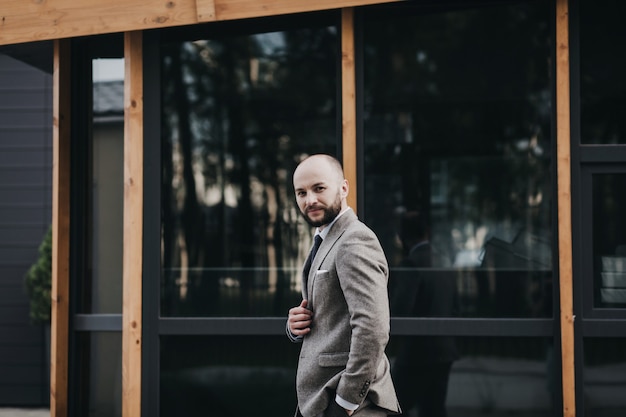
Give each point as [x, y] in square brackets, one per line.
[24, 412]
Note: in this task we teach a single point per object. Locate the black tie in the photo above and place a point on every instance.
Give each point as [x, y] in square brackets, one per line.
[309, 260]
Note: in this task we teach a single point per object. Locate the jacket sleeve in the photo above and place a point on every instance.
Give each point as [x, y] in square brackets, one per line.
[291, 336]
[363, 272]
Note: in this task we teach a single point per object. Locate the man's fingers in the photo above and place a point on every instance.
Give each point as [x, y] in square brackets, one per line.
[300, 320]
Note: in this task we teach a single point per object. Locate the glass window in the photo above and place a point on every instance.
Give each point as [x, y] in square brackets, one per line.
[99, 179]
[475, 376]
[218, 376]
[107, 188]
[602, 90]
[604, 377]
[609, 239]
[96, 388]
[458, 153]
[206, 376]
[95, 369]
[238, 112]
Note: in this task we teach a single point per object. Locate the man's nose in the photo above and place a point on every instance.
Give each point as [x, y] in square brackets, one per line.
[310, 199]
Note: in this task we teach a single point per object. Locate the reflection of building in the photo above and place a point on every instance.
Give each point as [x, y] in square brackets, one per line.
[177, 243]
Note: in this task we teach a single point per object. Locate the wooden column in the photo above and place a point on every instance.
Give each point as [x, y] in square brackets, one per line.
[59, 324]
[565, 206]
[348, 103]
[133, 225]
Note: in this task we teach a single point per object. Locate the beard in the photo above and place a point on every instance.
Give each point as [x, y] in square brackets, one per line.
[330, 213]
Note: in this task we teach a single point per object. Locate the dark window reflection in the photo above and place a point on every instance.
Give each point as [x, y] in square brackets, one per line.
[609, 239]
[457, 130]
[238, 112]
[605, 377]
[462, 376]
[218, 376]
[602, 90]
[97, 388]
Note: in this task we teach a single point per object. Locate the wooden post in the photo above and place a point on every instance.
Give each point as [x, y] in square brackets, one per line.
[348, 103]
[565, 206]
[133, 225]
[59, 323]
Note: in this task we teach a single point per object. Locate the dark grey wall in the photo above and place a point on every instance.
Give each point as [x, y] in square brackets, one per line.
[25, 214]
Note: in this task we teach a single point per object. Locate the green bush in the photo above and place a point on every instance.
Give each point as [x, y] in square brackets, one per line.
[39, 282]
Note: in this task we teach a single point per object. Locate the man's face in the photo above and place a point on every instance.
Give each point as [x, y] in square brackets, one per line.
[320, 192]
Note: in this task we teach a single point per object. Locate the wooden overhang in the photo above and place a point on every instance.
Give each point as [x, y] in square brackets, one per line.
[24, 21]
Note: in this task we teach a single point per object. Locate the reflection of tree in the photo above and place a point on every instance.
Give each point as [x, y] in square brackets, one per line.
[236, 114]
[463, 93]
[602, 92]
[458, 126]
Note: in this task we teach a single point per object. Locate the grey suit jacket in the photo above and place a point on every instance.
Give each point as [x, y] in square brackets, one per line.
[344, 353]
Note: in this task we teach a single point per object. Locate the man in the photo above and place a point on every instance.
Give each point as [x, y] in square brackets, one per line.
[343, 319]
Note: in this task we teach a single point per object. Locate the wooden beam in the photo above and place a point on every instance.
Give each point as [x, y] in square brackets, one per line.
[564, 202]
[348, 103]
[241, 9]
[205, 10]
[31, 21]
[24, 21]
[133, 225]
[59, 324]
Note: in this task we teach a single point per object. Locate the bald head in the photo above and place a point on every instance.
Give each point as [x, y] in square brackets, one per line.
[322, 162]
[320, 188]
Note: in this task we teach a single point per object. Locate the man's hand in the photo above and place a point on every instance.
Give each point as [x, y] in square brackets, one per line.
[300, 319]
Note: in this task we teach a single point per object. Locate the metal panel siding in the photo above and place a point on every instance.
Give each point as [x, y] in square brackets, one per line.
[20, 375]
[25, 117]
[8, 211]
[12, 296]
[14, 315]
[12, 253]
[18, 176]
[25, 215]
[23, 137]
[19, 155]
[20, 234]
[21, 336]
[25, 194]
[13, 354]
[22, 100]
[20, 393]
[26, 79]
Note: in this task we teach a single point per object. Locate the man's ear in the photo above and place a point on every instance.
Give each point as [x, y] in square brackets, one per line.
[345, 188]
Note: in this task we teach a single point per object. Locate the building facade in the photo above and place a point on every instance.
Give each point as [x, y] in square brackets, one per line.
[178, 245]
[25, 210]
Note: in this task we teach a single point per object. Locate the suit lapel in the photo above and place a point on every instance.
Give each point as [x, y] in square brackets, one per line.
[327, 245]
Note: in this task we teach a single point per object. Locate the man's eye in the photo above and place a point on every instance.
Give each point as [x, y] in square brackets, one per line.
[319, 189]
